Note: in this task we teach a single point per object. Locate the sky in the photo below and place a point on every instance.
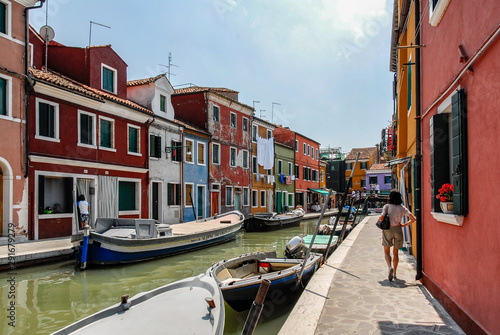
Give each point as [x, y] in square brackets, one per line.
[320, 67]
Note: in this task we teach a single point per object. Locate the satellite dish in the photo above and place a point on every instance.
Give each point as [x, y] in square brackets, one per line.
[47, 33]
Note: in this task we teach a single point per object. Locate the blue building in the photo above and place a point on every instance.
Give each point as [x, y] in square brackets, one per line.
[195, 167]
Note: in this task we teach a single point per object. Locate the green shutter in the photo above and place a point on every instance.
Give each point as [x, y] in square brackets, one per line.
[86, 135]
[132, 140]
[3, 20]
[157, 146]
[126, 196]
[46, 120]
[41, 194]
[409, 86]
[152, 146]
[440, 164]
[107, 80]
[162, 103]
[105, 134]
[459, 153]
[3, 96]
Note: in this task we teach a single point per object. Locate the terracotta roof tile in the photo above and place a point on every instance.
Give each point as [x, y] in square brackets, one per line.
[72, 85]
[365, 153]
[379, 167]
[190, 126]
[198, 89]
[145, 81]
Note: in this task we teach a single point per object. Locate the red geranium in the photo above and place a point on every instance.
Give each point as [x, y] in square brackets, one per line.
[445, 193]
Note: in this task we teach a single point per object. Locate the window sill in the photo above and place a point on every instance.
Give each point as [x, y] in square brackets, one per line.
[437, 14]
[456, 220]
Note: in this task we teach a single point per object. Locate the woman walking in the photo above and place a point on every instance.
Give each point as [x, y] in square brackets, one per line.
[393, 237]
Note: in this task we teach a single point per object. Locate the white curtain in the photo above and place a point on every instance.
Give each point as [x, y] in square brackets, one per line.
[108, 197]
[83, 187]
[402, 190]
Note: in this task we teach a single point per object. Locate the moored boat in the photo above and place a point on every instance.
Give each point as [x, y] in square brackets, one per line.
[320, 243]
[114, 241]
[190, 306]
[271, 221]
[239, 278]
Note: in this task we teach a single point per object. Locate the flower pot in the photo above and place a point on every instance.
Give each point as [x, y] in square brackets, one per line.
[447, 207]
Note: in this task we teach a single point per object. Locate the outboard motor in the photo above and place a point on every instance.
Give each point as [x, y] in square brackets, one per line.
[295, 248]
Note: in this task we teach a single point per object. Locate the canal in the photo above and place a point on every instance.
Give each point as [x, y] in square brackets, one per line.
[49, 297]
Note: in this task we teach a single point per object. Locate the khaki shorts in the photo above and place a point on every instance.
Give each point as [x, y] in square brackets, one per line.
[393, 237]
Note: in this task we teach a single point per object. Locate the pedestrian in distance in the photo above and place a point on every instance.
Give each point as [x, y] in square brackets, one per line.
[393, 237]
[83, 210]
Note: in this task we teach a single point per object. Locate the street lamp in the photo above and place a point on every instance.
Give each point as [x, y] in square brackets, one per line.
[272, 112]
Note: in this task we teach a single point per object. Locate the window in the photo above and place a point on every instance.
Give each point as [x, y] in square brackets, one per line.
[108, 79]
[436, 11]
[4, 18]
[133, 139]
[216, 113]
[5, 94]
[262, 198]
[348, 166]
[255, 168]
[280, 166]
[297, 171]
[363, 182]
[409, 92]
[246, 196]
[56, 193]
[305, 149]
[233, 120]
[269, 133]
[372, 180]
[304, 173]
[232, 158]
[127, 199]
[173, 194]
[201, 153]
[317, 157]
[163, 100]
[245, 159]
[154, 146]
[188, 151]
[308, 150]
[245, 124]
[312, 153]
[363, 165]
[322, 176]
[215, 153]
[289, 168]
[387, 179]
[47, 126]
[448, 150]
[177, 151]
[86, 132]
[229, 195]
[188, 195]
[255, 198]
[106, 133]
[254, 133]
[297, 145]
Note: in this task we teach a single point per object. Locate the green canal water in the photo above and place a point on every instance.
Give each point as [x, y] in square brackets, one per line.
[49, 297]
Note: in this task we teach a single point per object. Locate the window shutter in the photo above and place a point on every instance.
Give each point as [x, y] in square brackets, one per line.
[41, 193]
[3, 94]
[459, 154]
[158, 146]
[440, 165]
[3, 21]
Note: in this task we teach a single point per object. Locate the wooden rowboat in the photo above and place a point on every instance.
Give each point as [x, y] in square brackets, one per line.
[272, 221]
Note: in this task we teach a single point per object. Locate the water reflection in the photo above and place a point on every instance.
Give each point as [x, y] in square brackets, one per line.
[49, 297]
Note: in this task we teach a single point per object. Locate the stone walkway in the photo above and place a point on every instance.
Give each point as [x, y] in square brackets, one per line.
[359, 299]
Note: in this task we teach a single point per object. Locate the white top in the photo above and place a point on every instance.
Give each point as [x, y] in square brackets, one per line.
[83, 206]
[396, 213]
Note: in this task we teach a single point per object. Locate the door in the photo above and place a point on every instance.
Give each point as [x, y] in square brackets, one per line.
[237, 201]
[155, 199]
[215, 203]
[200, 197]
[279, 205]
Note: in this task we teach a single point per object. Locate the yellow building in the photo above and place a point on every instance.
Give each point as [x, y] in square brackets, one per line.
[367, 157]
[403, 64]
[322, 174]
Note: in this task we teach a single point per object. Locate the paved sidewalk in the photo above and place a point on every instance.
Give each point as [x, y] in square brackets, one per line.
[35, 252]
[352, 295]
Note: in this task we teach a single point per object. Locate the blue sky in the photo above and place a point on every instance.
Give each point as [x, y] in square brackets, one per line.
[325, 63]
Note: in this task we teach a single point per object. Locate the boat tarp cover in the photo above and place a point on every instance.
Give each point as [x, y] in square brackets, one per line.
[320, 239]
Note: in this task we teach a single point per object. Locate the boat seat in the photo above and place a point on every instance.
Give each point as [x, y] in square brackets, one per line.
[224, 275]
[243, 271]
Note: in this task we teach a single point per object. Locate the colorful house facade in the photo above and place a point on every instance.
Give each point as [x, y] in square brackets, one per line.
[459, 134]
[381, 175]
[217, 111]
[104, 156]
[367, 156]
[284, 192]
[14, 196]
[263, 177]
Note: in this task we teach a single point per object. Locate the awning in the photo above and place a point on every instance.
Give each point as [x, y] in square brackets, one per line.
[398, 161]
[323, 192]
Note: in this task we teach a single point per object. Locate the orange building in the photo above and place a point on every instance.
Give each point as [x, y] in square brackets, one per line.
[367, 157]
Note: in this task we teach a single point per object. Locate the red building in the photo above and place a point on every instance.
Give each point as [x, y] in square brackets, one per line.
[217, 111]
[85, 137]
[459, 133]
[307, 181]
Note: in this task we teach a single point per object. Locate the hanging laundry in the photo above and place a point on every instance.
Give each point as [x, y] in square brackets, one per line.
[257, 177]
[282, 178]
[265, 152]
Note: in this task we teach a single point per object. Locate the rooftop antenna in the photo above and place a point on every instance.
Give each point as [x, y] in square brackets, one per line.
[272, 112]
[90, 32]
[255, 101]
[262, 110]
[169, 66]
[48, 34]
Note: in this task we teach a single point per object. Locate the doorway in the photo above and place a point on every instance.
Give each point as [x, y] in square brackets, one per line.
[155, 201]
[200, 202]
[215, 200]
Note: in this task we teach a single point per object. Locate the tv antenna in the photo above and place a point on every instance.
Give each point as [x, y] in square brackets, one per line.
[90, 32]
[169, 73]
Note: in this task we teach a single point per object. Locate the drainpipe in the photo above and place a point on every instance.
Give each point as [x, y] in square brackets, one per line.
[181, 205]
[418, 156]
[28, 85]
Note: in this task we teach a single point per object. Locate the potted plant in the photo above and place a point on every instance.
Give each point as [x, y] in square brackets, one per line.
[446, 197]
